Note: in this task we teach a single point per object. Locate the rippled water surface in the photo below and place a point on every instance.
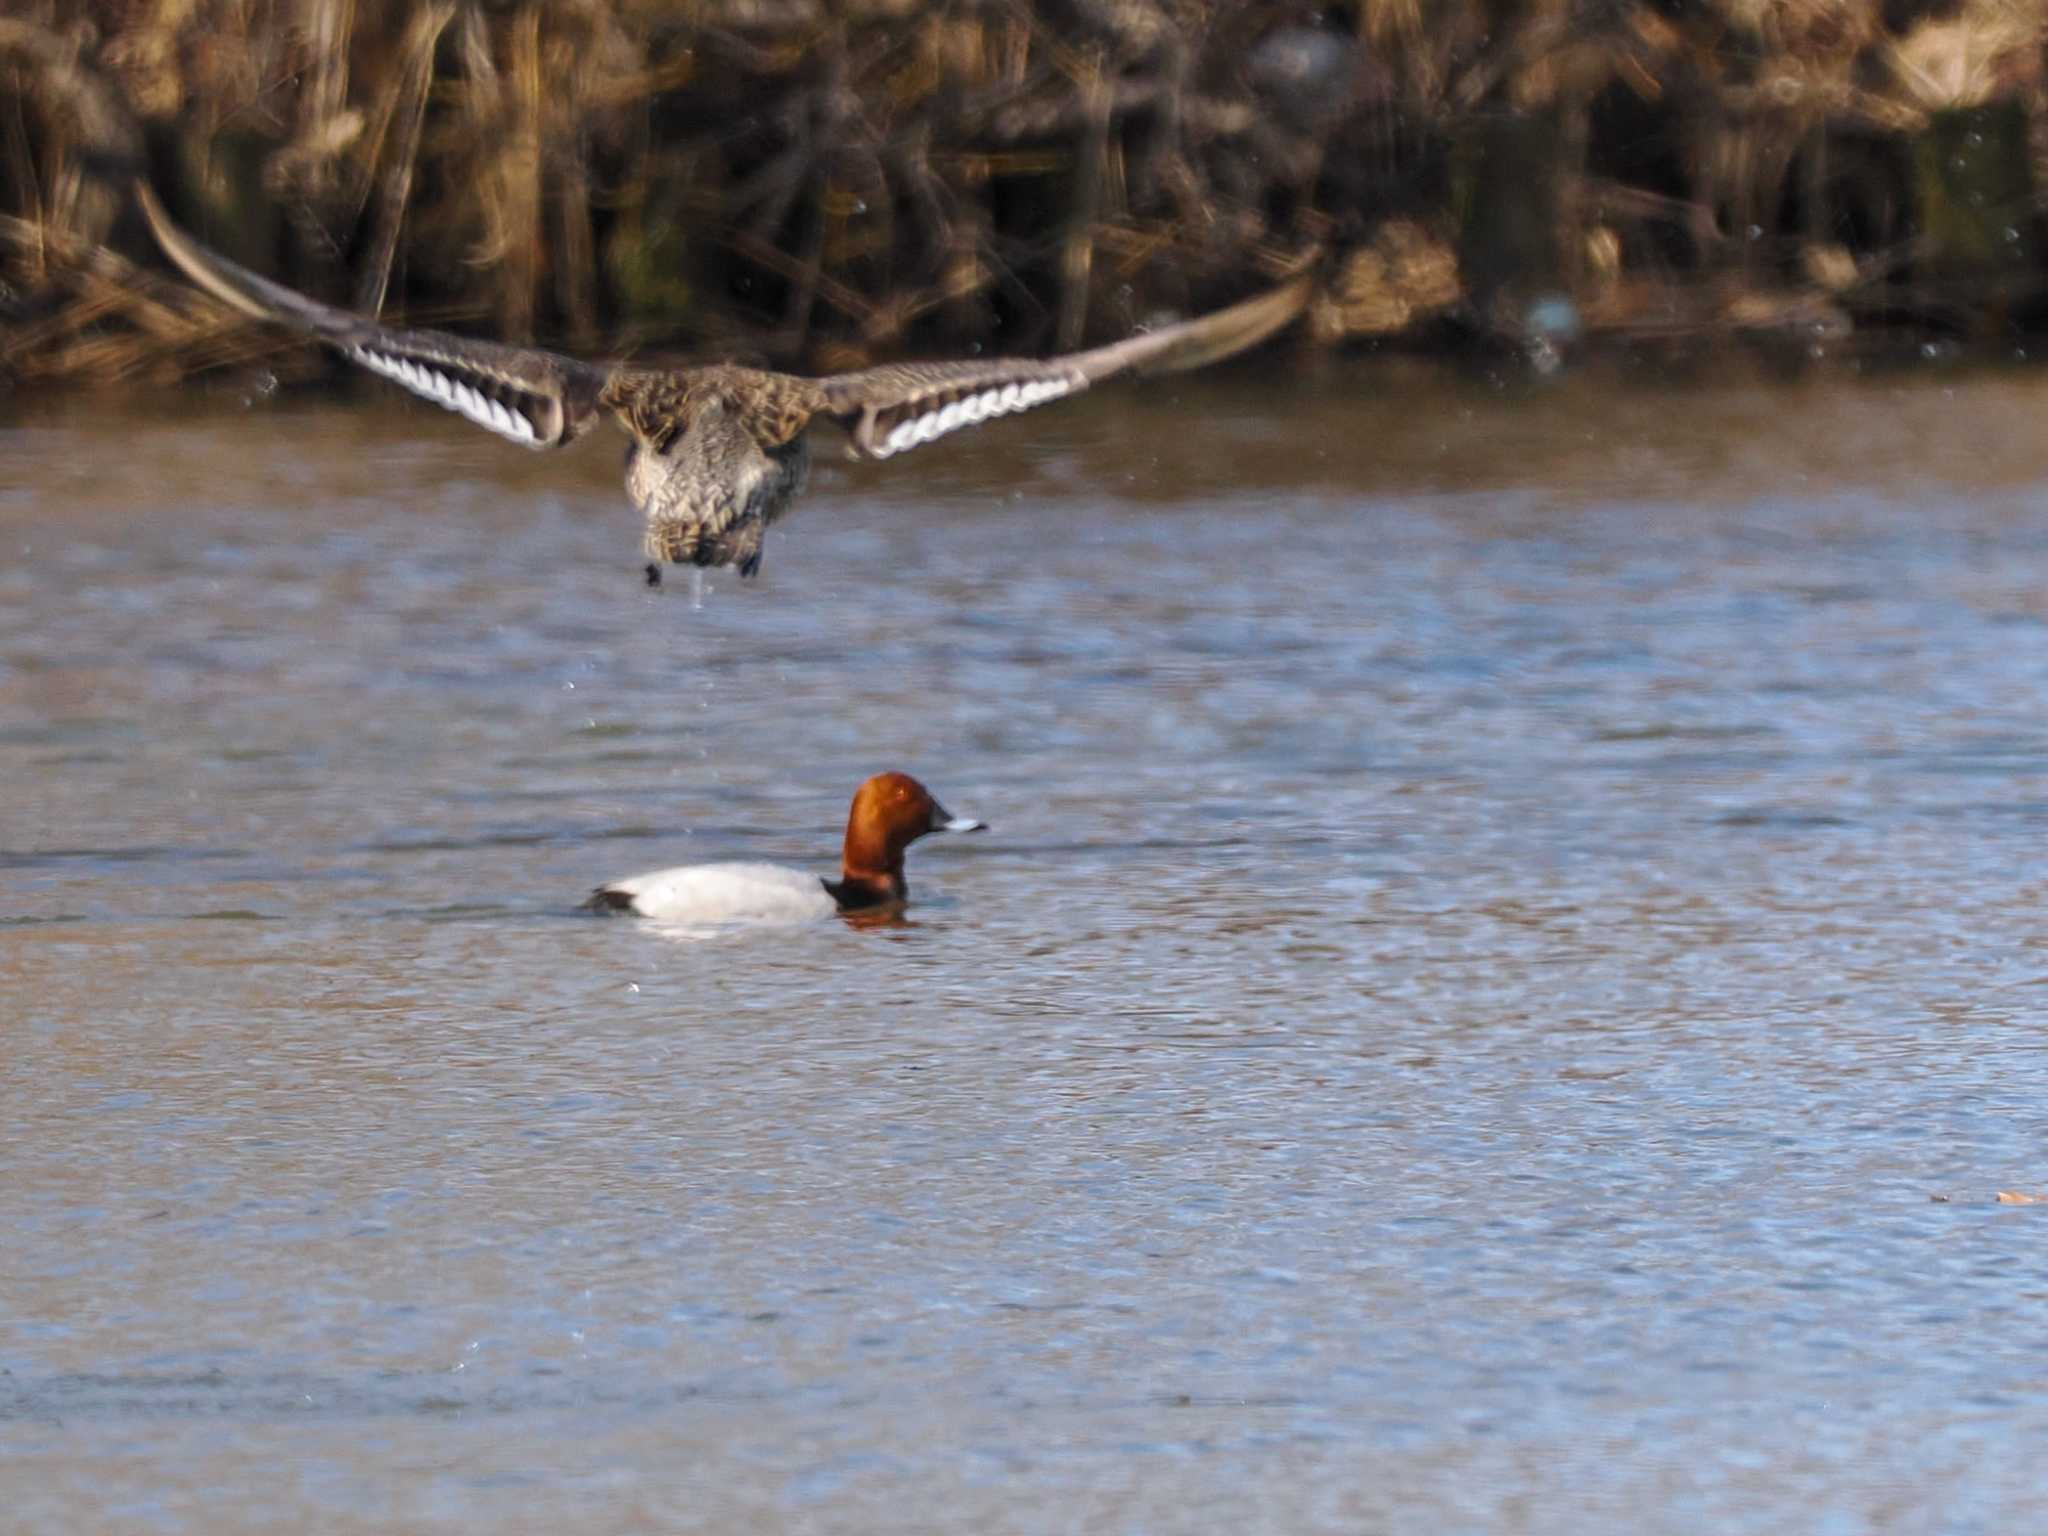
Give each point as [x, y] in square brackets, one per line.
[1506, 977]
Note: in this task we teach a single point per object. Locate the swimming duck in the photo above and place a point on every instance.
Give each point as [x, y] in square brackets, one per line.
[890, 812]
[718, 452]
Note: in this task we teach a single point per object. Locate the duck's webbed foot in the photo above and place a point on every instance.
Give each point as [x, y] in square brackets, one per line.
[653, 573]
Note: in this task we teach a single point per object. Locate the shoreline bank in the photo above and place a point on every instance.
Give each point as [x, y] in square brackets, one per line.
[827, 186]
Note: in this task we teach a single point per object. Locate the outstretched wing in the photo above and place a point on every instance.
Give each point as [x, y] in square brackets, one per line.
[536, 398]
[899, 406]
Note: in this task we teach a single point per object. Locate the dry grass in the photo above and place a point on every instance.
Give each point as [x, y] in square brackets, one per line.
[838, 180]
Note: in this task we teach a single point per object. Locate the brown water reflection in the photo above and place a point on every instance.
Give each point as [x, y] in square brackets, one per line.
[1504, 906]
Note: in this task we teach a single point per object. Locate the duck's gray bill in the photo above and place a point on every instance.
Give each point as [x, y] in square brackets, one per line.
[944, 820]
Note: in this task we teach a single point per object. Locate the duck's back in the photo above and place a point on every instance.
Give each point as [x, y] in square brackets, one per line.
[720, 893]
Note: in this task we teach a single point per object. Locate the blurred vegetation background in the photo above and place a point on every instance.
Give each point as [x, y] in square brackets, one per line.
[829, 182]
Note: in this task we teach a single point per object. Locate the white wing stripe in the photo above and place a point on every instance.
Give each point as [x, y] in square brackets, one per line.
[971, 409]
[449, 392]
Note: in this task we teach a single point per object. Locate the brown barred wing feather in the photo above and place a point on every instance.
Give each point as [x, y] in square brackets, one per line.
[1206, 339]
[893, 408]
[528, 396]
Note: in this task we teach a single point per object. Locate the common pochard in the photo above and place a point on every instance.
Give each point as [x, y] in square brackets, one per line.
[890, 812]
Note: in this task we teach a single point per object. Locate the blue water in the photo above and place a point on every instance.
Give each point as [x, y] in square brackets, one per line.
[1506, 979]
